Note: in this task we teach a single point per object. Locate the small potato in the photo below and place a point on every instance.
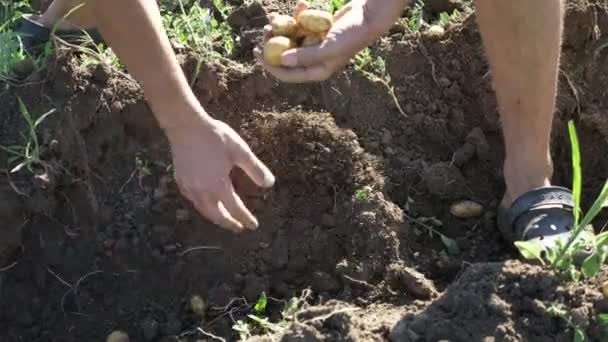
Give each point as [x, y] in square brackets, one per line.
[274, 48]
[436, 31]
[605, 289]
[118, 336]
[283, 25]
[311, 41]
[315, 20]
[466, 209]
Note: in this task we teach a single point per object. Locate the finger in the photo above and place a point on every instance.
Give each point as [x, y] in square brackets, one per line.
[302, 5]
[210, 207]
[271, 16]
[254, 168]
[235, 206]
[342, 11]
[267, 33]
[308, 56]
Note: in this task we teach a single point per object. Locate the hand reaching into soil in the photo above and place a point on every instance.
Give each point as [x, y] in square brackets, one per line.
[204, 153]
[204, 150]
[355, 26]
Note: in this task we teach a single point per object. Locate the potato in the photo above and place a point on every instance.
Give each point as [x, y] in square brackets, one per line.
[274, 48]
[436, 31]
[118, 336]
[283, 25]
[605, 288]
[316, 21]
[311, 41]
[466, 209]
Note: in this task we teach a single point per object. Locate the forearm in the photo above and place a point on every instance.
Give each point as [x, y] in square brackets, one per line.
[134, 30]
[381, 14]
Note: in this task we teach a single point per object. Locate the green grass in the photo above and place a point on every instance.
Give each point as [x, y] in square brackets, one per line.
[27, 154]
[562, 257]
[193, 26]
[11, 48]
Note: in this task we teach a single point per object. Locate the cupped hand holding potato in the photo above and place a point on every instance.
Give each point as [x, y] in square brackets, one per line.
[319, 54]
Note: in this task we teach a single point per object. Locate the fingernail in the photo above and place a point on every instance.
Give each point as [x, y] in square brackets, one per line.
[290, 59]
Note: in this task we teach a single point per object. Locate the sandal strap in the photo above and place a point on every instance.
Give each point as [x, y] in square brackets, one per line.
[539, 197]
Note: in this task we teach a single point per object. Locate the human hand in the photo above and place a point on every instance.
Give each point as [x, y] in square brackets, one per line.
[356, 26]
[204, 153]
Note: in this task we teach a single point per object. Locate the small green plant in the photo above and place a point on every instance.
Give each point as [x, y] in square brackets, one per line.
[415, 21]
[195, 27]
[11, 48]
[562, 257]
[374, 69]
[259, 324]
[445, 18]
[362, 195]
[27, 154]
[560, 311]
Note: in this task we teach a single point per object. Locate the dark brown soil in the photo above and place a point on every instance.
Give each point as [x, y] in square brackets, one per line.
[99, 239]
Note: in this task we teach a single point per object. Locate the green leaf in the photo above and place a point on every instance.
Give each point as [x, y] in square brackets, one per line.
[601, 239]
[596, 207]
[260, 306]
[450, 245]
[576, 171]
[574, 274]
[603, 318]
[551, 254]
[579, 335]
[591, 265]
[43, 116]
[530, 250]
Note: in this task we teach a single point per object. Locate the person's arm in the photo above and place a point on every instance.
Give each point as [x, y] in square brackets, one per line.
[355, 27]
[134, 31]
[204, 150]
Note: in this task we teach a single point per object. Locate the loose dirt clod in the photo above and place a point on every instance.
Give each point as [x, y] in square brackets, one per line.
[410, 280]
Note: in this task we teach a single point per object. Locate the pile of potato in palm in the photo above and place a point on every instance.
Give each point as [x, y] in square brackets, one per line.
[308, 28]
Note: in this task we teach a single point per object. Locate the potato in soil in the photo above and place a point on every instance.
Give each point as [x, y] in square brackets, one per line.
[283, 25]
[316, 21]
[274, 48]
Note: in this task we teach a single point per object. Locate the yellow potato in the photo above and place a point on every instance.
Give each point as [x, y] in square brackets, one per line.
[283, 25]
[311, 41]
[605, 288]
[274, 48]
[118, 336]
[466, 209]
[315, 20]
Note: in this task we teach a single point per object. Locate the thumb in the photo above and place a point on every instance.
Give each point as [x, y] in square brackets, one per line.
[255, 169]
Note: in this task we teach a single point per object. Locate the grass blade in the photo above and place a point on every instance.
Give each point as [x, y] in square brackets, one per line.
[576, 172]
[595, 208]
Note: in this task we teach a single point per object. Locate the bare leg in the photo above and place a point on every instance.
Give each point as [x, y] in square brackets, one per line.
[82, 18]
[522, 39]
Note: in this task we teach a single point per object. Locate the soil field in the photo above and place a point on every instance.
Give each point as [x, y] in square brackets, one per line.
[101, 240]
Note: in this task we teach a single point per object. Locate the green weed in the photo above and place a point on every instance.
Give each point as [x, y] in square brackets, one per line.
[196, 28]
[560, 311]
[11, 48]
[415, 21]
[258, 323]
[27, 154]
[445, 18]
[562, 257]
[374, 69]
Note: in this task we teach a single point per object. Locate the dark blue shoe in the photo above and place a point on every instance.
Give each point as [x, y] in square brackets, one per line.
[34, 35]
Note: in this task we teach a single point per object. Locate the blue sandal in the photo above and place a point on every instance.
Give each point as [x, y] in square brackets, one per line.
[34, 35]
